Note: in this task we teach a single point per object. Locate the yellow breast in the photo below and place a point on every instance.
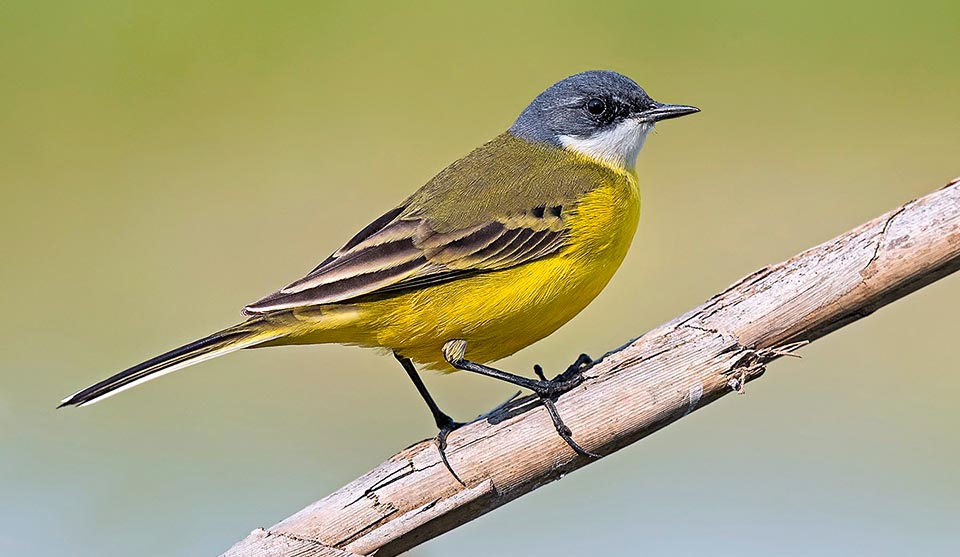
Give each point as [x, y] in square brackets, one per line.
[502, 312]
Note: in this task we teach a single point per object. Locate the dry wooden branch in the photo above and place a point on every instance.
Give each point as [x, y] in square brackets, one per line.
[633, 391]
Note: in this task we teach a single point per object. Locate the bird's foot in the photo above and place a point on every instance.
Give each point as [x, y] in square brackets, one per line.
[549, 389]
[447, 426]
[574, 373]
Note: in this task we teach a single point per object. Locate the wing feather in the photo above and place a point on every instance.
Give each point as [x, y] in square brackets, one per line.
[408, 254]
[505, 204]
[450, 249]
[363, 261]
[367, 231]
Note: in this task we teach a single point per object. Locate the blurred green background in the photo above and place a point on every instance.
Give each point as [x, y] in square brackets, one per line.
[165, 163]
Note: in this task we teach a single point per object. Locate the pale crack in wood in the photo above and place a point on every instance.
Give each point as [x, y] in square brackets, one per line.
[882, 237]
[397, 475]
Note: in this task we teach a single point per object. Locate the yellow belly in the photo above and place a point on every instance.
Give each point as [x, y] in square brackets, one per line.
[497, 313]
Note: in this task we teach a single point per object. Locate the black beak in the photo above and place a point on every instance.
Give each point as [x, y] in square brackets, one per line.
[660, 111]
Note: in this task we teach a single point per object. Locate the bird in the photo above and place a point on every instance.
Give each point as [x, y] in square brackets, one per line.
[494, 253]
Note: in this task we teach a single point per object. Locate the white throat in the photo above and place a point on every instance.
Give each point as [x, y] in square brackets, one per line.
[617, 147]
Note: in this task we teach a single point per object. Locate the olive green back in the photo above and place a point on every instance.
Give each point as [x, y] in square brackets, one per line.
[502, 178]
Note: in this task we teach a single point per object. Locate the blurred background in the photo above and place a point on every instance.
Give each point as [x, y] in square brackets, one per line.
[164, 163]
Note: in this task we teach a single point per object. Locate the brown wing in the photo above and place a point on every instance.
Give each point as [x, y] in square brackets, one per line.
[506, 203]
[394, 254]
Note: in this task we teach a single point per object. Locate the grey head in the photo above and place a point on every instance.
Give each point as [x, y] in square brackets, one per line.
[599, 113]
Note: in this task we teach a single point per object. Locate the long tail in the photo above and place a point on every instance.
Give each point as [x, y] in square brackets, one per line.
[244, 335]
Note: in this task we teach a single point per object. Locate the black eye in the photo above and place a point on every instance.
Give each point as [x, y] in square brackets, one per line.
[596, 106]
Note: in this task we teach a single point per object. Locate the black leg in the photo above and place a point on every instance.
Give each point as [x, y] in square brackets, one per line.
[444, 422]
[454, 352]
[547, 390]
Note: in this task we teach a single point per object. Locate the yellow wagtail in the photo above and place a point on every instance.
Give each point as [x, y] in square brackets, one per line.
[496, 252]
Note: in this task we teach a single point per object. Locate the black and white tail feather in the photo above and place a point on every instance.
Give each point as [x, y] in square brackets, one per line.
[244, 335]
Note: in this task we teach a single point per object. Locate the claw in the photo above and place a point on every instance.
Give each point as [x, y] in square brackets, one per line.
[441, 441]
[583, 361]
[539, 371]
[563, 430]
[548, 390]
